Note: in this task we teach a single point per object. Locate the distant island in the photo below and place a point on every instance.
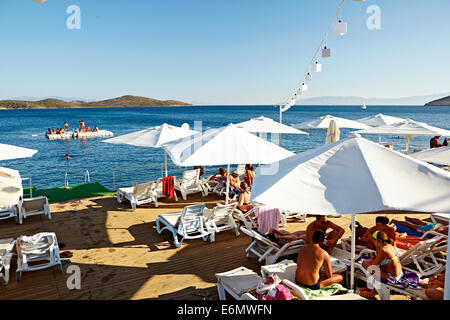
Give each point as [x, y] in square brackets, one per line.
[124, 101]
[440, 102]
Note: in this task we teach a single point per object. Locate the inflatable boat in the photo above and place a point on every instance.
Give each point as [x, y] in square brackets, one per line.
[80, 135]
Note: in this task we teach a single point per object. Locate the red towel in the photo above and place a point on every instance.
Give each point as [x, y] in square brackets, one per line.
[168, 186]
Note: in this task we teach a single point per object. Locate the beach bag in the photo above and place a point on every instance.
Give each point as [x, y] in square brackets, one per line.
[272, 289]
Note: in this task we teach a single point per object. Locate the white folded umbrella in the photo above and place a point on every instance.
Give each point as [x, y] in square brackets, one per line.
[10, 187]
[439, 156]
[9, 152]
[353, 176]
[153, 137]
[228, 145]
[324, 123]
[333, 133]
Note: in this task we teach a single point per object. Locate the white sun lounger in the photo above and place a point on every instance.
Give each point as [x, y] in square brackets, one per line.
[11, 212]
[35, 206]
[267, 250]
[188, 224]
[440, 217]
[249, 219]
[42, 247]
[137, 195]
[6, 254]
[190, 183]
[220, 219]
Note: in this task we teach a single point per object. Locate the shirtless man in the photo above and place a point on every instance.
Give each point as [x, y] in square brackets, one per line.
[310, 259]
[381, 224]
[331, 238]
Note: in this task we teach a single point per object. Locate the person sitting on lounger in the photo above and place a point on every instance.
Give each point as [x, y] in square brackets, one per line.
[360, 232]
[422, 226]
[331, 238]
[434, 286]
[386, 258]
[235, 183]
[250, 173]
[381, 224]
[244, 203]
[220, 176]
[309, 262]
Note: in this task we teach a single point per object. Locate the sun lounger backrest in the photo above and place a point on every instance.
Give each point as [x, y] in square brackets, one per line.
[240, 170]
[255, 235]
[143, 191]
[192, 217]
[36, 204]
[420, 247]
[224, 210]
[191, 176]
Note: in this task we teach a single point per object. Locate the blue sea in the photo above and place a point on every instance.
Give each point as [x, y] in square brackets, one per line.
[48, 167]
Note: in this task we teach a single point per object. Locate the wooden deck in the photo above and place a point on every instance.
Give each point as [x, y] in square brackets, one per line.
[121, 256]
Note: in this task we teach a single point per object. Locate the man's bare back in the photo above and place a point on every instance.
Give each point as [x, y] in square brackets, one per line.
[310, 260]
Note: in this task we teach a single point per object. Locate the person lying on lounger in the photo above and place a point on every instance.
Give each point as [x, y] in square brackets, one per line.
[422, 226]
[331, 238]
[220, 176]
[381, 224]
[385, 258]
[309, 262]
[281, 237]
[434, 286]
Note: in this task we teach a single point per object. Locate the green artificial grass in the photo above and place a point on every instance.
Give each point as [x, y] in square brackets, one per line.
[73, 193]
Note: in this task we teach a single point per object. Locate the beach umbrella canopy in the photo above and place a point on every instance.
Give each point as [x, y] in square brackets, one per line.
[380, 120]
[353, 176]
[439, 156]
[408, 128]
[228, 145]
[9, 152]
[10, 187]
[153, 137]
[333, 133]
[267, 125]
[324, 123]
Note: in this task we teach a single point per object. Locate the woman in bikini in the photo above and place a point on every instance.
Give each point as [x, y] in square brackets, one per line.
[386, 258]
[244, 199]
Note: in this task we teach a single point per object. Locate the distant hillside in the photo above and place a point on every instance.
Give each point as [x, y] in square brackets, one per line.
[440, 102]
[124, 101]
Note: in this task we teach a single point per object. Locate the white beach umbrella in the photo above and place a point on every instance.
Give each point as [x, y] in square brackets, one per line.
[10, 187]
[380, 120]
[267, 125]
[9, 152]
[324, 123]
[333, 133]
[408, 128]
[439, 156]
[353, 176]
[228, 145]
[153, 137]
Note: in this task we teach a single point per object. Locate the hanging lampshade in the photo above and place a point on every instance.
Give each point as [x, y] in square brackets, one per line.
[304, 87]
[326, 52]
[340, 28]
[317, 67]
[308, 77]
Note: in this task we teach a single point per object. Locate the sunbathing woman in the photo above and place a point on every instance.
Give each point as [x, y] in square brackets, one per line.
[422, 226]
[386, 258]
[434, 286]
[381, 224]
[281, 237]
[244, 199]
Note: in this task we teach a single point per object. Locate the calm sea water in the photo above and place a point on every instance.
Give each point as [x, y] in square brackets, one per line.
[26, 128]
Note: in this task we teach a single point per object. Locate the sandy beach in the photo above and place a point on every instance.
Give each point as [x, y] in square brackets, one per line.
[121, 255]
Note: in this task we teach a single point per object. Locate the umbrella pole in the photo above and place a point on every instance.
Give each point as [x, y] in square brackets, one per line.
[447, 275]
[281, 121]
[408, 140]
[165, 156]
[352, 268]
[379, 139]
[227, 198]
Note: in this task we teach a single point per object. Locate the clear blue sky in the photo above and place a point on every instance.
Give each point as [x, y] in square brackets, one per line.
[221, 51]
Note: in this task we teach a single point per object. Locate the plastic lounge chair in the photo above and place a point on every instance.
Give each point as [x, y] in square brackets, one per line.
[190, 183]
[237, 282]
[220, 219]
[11, 212]
[6, 253]
[249, 219]
[268, 250]
[440, 217]
[137, 195]
[188, 224]
[158, 192]
[286, 214]
[36, 206]
[43, 248]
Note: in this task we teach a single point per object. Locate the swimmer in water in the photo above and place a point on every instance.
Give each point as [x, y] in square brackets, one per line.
[67, 156]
